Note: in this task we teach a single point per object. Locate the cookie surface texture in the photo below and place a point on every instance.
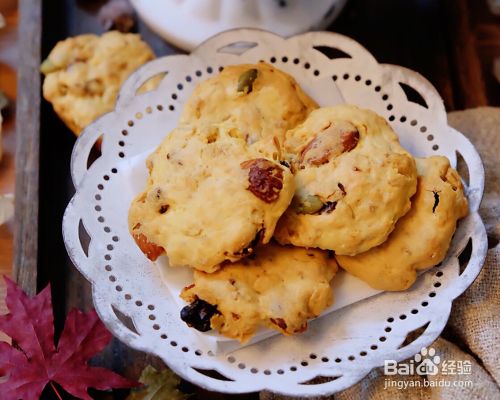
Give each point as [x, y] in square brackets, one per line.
[257, 101]
[422, 237]
[281, 288]
[353, 181]
[209, 198]
[84, 74]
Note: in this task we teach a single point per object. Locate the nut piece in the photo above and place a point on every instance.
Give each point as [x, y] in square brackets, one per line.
[151, 250]
[48, 67]
[265, 177]
[307, 204]
[337, 138]
[198, 314]
[246, 80]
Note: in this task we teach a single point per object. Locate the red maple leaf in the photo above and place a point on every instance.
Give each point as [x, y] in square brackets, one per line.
[35, 361]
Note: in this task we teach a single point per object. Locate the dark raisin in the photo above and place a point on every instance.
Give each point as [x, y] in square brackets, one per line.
[198, 314]
[279, 322]
[250, 249]
[328, 207]
[342, 189]
[436, 201]
[265, 178]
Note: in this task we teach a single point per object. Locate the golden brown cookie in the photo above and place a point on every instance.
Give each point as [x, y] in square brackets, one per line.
[422, 237]
[209, 198]
[280, 288]
[353, 181]
[83, 74]
[257, 101]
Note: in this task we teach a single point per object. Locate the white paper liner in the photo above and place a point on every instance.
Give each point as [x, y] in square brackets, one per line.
[347, 290]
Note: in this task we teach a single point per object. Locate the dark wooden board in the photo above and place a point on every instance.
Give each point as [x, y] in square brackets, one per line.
[27, 149]
[451, 42]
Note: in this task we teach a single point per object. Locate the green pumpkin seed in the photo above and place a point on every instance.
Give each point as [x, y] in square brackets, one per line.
[48, 66]
[246, 80]
[308, 204]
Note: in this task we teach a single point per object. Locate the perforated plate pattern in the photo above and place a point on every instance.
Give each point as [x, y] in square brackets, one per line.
[343, 346]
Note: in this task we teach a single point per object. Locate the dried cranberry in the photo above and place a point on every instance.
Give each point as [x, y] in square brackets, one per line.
[198, 314]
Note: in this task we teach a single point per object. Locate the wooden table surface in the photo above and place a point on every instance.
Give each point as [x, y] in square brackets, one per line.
[451, 42]
[8, 64]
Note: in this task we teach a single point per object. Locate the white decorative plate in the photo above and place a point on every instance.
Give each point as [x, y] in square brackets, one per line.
[187, 23]
[343, 345]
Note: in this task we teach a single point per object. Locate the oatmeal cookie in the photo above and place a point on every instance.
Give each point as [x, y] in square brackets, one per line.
[209, 198]
[83, 74]
[422, 237]
[353, 181]
[280, 288]
[256, 101]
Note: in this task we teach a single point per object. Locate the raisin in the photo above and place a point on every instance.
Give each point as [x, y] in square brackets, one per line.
[436, 201]
[342, 189]
[328, 207]
[280, 322]
[285, 164]
[250, 249]
[151, 250]
[198, 314]
[265, 178]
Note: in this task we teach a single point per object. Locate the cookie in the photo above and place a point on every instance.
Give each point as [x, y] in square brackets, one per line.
[280, 288]
[257, 101]
[422, 237]
[209, 198]
[83, 74]
[353, 181]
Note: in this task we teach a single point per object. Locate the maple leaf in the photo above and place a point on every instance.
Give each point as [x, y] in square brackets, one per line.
[35, 361]
[158, 385]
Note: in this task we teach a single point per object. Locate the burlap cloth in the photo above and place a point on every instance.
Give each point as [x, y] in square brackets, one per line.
[472, 332]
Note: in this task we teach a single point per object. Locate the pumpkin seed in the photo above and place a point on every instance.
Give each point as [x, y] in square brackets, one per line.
[246, 80]
[48, 66]
[308, 204]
